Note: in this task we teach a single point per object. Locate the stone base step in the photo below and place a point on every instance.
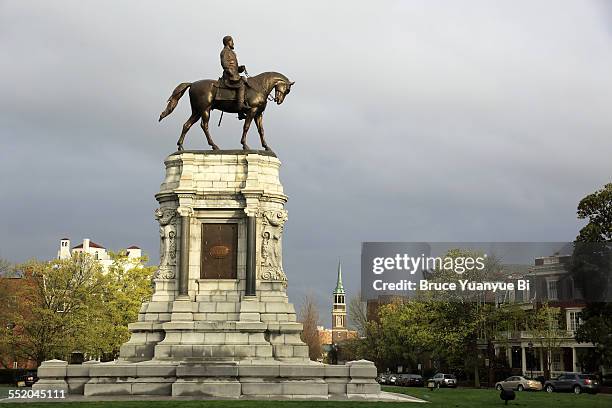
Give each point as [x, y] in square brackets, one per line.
[257, 378]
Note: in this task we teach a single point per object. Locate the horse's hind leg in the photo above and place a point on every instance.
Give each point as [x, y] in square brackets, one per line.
[192, 119]
[204, 124]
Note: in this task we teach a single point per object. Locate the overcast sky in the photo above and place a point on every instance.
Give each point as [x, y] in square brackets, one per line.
[409, 120]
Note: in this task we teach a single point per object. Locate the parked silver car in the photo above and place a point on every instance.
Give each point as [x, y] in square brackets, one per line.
[574, 382]
[518, 383]
[444, 380]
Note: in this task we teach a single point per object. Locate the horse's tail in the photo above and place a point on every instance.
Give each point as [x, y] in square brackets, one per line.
[174, 98]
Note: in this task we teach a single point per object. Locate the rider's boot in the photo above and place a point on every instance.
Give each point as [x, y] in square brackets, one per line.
[241, 103]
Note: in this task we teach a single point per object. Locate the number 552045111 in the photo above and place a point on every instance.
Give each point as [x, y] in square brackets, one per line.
[36, 394]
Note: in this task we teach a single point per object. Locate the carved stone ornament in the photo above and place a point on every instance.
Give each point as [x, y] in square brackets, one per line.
[167, 218]
[271, 267]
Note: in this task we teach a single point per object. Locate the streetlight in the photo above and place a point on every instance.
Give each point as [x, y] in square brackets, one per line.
[530, 345]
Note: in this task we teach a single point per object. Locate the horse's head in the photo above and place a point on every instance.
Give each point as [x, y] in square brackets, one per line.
[282, 89]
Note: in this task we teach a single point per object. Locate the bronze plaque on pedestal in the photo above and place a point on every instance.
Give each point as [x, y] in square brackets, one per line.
[219, 251]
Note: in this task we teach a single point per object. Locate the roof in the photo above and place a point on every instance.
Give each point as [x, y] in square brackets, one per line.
[133, 247]
[91, 245]
[339, 286]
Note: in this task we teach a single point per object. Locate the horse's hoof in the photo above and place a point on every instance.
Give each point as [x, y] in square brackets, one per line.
[267, 148]
[180, 148]
[215, 147]
[245, 147]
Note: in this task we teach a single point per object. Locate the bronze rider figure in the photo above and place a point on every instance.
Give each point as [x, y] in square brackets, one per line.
[231, 73]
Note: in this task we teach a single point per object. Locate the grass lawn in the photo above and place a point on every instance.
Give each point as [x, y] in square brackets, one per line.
[473, 398]
[210, 404]
[460, 398]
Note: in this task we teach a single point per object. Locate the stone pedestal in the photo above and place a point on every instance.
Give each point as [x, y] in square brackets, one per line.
[219, 322]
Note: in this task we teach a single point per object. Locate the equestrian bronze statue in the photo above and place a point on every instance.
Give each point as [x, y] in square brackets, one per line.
[232, 93]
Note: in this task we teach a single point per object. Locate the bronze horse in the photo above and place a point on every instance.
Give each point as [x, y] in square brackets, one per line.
[202, 97]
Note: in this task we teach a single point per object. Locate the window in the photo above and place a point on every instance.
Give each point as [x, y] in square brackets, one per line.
[552, 289]
[556, 362]
[573, 320]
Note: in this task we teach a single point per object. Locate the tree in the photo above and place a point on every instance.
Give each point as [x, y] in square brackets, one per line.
[358, 315]
[597, 208]
[7, 306]
[445, 327]
[57, 300]
[308, 315]
[6, 268]
[596, 328]
[471, 318]
[591, 267]
[127, 285]
[72, 305]
[544, 326]
[370, 343]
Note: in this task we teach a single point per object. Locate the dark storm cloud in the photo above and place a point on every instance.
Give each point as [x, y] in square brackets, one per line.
[439, 121]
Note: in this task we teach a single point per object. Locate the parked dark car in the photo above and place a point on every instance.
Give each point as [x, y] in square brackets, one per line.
[27, 380]
[402, 380]
[444, 380]
[574, 382]
[414, 380]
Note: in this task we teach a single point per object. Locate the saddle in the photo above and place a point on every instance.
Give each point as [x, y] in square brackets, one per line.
[227, 91]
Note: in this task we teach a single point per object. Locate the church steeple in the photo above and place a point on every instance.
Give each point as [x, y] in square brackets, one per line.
[339, 287]
[339, 309]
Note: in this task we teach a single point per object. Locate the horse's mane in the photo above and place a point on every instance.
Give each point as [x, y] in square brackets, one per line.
[260, 81]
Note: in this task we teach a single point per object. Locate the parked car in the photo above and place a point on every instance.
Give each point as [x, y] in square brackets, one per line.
[575, 382]
[402, 380]
[382, 378]
[27, 380]
[414, 380]
[392, 379]
[518, 383]
[444, 380]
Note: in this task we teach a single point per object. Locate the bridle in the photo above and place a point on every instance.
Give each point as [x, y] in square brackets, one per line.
[268, 97]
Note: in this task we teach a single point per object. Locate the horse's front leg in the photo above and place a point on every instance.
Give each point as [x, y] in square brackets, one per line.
[260, 129]
[245, 128]
[205, 119]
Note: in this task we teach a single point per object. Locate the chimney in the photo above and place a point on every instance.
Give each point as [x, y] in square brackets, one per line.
[86, 245]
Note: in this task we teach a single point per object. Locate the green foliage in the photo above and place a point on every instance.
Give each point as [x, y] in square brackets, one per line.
[545, 326]
[591, 267]
[597, 330]
[127, 286]
[597, 208]
[72, 305]
[444, 327]
[370, 346]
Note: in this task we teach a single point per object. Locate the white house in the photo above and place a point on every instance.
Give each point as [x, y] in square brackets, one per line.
[97, 251]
